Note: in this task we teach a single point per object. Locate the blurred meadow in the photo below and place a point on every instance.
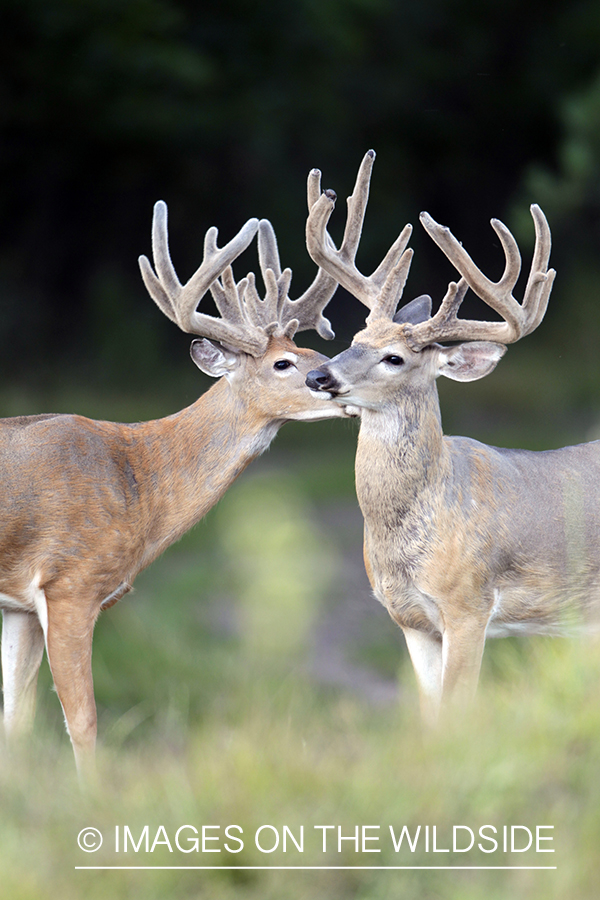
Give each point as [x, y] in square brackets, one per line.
[250, 678]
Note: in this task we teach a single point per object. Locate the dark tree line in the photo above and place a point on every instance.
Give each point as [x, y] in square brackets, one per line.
[221, 109]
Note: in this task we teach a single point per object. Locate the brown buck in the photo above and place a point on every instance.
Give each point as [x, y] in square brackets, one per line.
[462, 540]
[89, 504]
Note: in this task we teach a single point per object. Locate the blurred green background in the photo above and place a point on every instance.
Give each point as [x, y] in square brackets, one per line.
[251, 678]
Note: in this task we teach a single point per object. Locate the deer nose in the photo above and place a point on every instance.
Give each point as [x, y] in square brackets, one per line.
[320, 380]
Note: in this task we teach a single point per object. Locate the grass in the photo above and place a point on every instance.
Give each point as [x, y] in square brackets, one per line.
[209, 717]
[274, 750]
[212, 712]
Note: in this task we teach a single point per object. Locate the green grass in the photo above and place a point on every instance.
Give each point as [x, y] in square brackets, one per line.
[278, 751]
[209, 716]
[211, 712]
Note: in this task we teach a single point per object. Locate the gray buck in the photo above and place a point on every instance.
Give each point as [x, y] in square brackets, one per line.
[462, 541]
[87, 504]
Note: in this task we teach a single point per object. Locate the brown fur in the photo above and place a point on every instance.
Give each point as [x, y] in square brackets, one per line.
[87, 505]
[462, 540]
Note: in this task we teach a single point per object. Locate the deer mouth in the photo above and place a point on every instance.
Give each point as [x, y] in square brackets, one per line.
[326, 393]
[348, 410]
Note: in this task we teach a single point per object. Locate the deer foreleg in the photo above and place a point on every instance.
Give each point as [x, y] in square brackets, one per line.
[462, 652]
[22, 651]
[69, 646]
[426, 656]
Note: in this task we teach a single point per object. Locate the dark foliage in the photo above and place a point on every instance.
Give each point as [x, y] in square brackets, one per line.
[222, 108]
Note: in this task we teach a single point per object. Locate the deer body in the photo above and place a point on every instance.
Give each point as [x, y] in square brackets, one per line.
[460, 534]
[132, 491]
[87, 505]
[462, 540]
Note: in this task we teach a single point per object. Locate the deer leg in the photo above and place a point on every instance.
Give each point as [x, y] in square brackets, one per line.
[69, 647]
[426, 656]
[22, 651]
[462, 654]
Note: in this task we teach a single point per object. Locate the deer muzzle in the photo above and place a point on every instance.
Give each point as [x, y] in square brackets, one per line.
[322, 380]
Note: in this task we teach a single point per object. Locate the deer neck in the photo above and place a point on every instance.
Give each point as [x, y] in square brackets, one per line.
[401, 455]
[183, 464]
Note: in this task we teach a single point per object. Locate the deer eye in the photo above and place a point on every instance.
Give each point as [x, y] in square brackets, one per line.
[394, 360]
[282, 364]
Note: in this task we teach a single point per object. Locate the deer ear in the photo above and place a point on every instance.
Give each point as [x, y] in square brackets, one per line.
[213, 359]
[469, 361]
[418, 310]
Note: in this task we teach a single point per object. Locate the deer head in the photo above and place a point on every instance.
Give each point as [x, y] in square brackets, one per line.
[399, 349]
[251, 342]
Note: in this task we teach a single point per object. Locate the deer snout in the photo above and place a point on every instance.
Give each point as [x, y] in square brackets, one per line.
[321, 380]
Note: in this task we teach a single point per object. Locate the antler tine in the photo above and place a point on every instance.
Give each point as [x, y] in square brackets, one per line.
[267, 313]
[268, 252]
[357, 206]
[519, 319]
[277, 283]
[179, 301]
[538, 288]
[166, 285]
[228, 297]
[215, 262]
[395, 277]
[307, 311]
[340, 263]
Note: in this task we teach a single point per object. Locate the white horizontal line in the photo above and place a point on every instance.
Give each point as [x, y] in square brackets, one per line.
[321, 868]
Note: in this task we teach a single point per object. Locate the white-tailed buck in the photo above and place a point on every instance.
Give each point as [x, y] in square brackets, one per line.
[87, 505]
[462, 540]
